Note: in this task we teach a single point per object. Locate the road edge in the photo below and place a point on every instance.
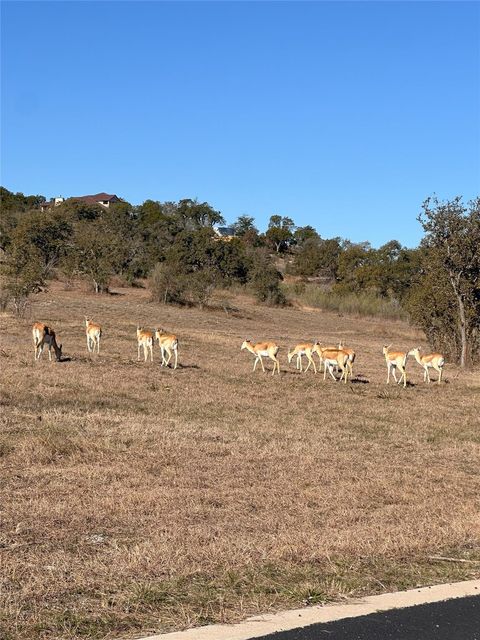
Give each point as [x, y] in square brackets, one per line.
[297, 618]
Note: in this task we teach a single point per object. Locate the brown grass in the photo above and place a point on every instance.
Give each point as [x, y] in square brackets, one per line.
[139, 499]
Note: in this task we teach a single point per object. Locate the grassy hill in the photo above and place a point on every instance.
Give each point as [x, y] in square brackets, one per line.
[136, 498]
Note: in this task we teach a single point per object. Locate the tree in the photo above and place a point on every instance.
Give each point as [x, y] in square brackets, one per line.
[331, 250]
[432, 309]
[317, 257]
[33, 242]
[38, 243]
[195, 264]
[265, 279]
[150, 212]
[124, 240]
[243, 225]
[168, 283]
[246, 230]
[279, 234]
[24, 273]
[157, 226]
[8, 222]
[452, 270]
[96, 252]
[302, 234]
[17, 202]
[194, 215]
[79, 210]
[402, 268]
[308, 258]
[390, 251]
[49, 233]
[353, 259]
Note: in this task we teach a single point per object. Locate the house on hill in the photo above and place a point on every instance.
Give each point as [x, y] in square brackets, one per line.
[224, 233]
[103, 199]
[53, 202]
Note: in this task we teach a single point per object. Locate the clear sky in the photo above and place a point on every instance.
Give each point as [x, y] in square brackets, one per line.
[342, 115]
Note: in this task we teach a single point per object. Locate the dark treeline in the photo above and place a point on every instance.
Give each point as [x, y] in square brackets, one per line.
[175, 246]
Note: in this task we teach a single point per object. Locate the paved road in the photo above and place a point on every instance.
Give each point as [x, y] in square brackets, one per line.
[457, 619]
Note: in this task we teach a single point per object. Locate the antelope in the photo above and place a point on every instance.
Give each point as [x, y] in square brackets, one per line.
[333, 357]
[433, 360]
[145, 340]
[38, 331]
[263, 349]
[317, 348]
[351, 356]
[44, 335]
[168, 344]
[94, 333]
[303, 349]
[394, 360]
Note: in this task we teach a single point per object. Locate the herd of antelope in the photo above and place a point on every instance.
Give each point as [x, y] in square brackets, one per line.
[339, 358]
[43, 335]
[342, 358]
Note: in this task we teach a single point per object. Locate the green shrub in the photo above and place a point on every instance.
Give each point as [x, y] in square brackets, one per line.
[265, 283]
[167, 284]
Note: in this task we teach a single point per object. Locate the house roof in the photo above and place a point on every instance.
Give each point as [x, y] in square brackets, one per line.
[98, 197]
[225, 231]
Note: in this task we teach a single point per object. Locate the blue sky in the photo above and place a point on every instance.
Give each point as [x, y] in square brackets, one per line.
[342, 115]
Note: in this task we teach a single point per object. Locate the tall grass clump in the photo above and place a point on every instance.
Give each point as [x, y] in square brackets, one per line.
[362, 304]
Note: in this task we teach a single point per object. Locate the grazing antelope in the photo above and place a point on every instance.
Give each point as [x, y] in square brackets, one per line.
[38, 331]
[44, 335]
[351, 356]
[434, 360]
[333, 357]
[145, 340]
[303, 349]
[94, 333]
[168, 344]
[263, 349]
[396, 360]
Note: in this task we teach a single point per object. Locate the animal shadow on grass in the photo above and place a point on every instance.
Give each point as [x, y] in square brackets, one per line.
[360, 379]
[184, 366]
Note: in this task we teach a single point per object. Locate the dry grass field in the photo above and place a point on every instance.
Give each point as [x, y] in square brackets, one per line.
[137, 499]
